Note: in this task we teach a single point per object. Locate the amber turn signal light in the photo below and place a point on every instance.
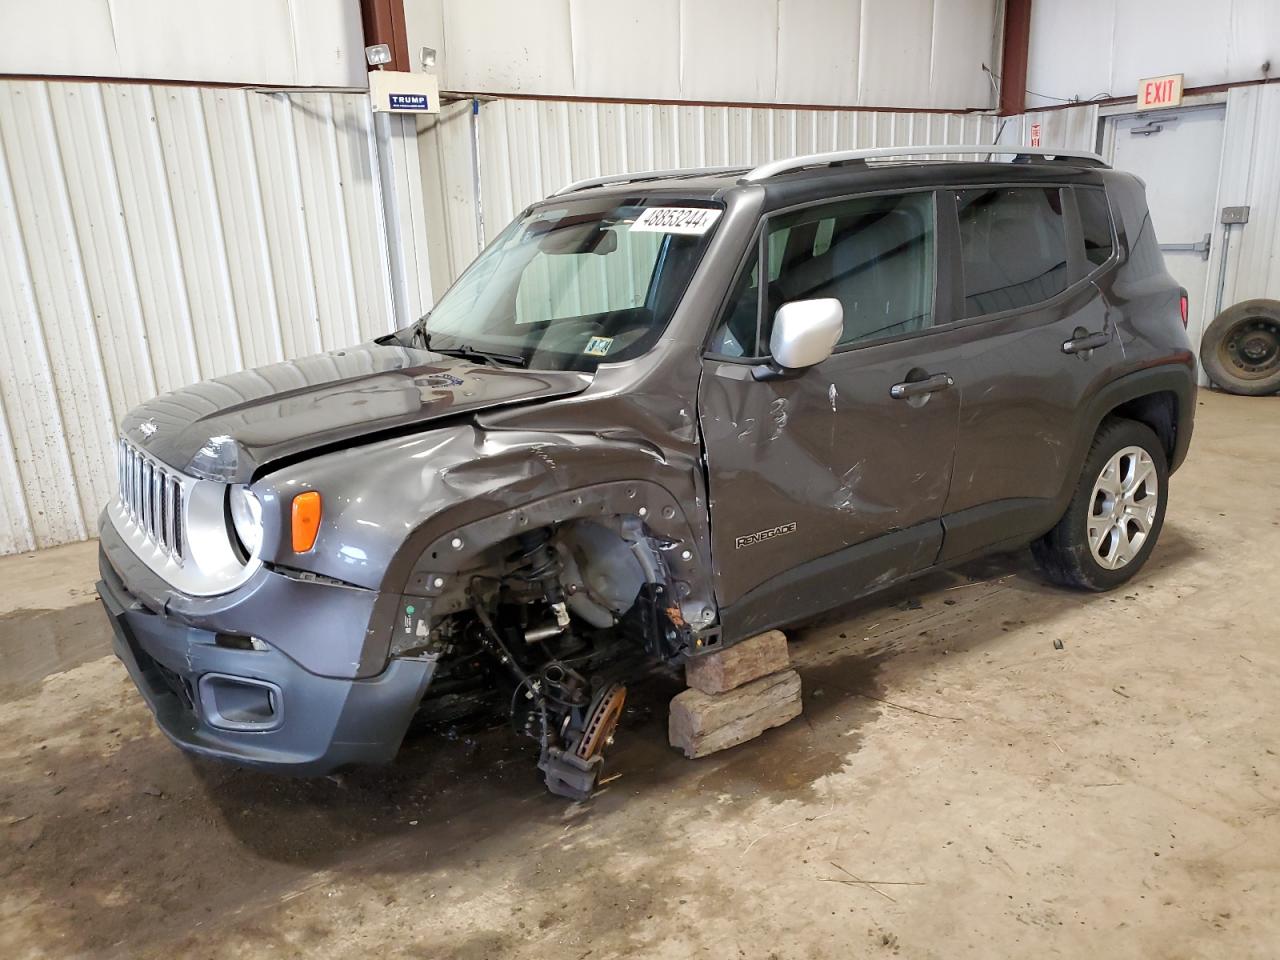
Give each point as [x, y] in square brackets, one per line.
[306, 520]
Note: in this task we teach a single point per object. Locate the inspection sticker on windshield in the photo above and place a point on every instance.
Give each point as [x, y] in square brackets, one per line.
[598, 346]
[693, 221]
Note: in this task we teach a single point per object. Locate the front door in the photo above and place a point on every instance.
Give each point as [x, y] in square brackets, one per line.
[1178, 155]
[829, 483]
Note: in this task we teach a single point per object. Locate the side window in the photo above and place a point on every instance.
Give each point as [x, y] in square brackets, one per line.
[1095, 224]
[874, 254]
[736, 336]
[1013, 247]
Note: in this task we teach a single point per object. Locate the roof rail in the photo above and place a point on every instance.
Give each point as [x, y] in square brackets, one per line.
[778, 167]
[643, 175]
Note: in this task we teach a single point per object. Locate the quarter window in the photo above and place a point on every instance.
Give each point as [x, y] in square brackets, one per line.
[1013, 248]
[1095, 224]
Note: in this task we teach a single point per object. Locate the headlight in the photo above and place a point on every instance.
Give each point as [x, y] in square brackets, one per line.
[246, 517]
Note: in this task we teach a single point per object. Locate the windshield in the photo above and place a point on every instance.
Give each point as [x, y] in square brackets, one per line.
[573, 285]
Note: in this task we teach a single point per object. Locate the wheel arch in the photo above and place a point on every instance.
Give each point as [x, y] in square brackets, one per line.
[1161, 397]
[438, 556]
[1159, 411]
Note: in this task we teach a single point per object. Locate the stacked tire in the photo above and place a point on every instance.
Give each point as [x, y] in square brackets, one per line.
[1240, 350]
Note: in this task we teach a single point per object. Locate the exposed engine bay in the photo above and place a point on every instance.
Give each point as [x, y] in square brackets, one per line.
[546, 631]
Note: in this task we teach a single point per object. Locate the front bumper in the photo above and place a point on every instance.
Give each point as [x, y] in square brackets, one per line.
[256, 707]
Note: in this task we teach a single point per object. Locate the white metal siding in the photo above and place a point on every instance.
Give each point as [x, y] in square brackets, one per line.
[279, 42]
[1251, 176]
[1071, 128]
[872, 53]
[406, 224]
[1095, 48]
[531, 148]
[151, 236]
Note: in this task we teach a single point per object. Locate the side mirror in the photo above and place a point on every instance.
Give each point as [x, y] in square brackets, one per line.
[805, 332]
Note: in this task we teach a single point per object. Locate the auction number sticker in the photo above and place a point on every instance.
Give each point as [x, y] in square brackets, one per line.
[598, 346]
[691, 221]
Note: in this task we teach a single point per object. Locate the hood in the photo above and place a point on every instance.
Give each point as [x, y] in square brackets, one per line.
[232, 427]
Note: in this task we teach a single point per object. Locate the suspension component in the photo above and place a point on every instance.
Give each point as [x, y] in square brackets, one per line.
[544, 569]
[573, 770]
[543, 632]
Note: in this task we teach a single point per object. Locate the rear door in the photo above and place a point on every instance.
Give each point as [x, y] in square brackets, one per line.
[831, 482]
[1041, 338]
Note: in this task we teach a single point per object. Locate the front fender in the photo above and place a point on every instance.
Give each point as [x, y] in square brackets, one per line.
[393, 509]
[439, 550]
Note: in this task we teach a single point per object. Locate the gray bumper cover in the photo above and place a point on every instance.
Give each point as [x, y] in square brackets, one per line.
[325, 722]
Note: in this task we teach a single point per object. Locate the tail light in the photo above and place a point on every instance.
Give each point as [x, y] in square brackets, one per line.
[1184, 306]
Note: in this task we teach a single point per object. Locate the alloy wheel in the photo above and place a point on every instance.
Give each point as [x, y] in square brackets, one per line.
[1123, 507]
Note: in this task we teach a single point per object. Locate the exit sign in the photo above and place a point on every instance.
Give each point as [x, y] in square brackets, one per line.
[1159, 92]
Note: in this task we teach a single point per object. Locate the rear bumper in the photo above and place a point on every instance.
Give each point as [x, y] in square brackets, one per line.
[256, 707]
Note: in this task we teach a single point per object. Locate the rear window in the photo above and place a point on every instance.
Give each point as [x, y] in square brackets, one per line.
[1013, 247]
[1095, 224]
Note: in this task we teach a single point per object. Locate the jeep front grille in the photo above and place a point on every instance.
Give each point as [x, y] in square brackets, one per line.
[152, 495]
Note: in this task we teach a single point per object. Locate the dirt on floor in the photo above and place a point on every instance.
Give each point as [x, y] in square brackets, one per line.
[957, 787]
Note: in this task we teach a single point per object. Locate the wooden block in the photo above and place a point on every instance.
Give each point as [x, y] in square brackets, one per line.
[702, 723]
[749, 660]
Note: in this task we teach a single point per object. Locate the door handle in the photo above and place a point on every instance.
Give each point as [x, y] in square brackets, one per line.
[1082, 341]
[916, 388]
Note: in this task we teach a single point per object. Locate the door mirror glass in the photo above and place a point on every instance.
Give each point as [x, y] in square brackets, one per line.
[805, 332]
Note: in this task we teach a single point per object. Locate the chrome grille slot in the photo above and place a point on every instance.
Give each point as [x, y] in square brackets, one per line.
[137, 487]
[159, 491]
[148, 502]
[152, 496]
[175, 499]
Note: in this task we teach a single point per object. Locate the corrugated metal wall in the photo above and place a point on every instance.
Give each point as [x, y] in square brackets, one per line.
[279, 42]
[1251, 176]
[1101, 48]
[405, 214]
[531, 148]
[151, 236]
[921, 54]
[1071, 128]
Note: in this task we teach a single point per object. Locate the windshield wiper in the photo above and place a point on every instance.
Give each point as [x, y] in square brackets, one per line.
[483, 356]
[465, 352]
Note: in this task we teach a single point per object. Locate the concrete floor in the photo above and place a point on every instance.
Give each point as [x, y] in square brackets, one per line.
[956, 788]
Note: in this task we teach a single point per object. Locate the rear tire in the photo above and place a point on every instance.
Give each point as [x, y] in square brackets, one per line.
[1240, 350]
[1116, 513]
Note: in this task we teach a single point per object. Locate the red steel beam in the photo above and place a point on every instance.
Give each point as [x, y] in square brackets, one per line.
[384, 23]
[1013, 58]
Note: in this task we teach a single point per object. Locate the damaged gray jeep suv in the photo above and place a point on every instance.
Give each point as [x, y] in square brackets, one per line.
[658, 415]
